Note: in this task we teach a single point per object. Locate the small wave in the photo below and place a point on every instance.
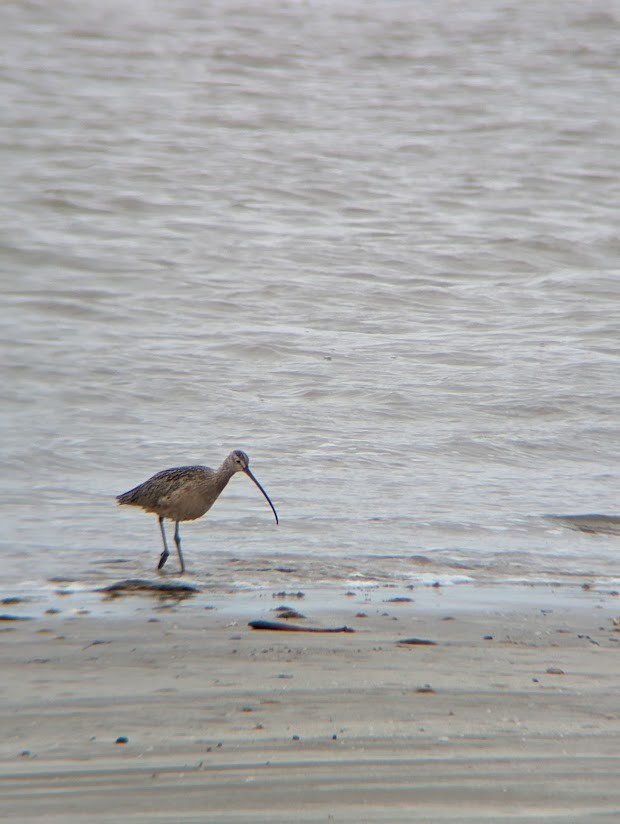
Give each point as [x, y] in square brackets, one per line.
[604, 524]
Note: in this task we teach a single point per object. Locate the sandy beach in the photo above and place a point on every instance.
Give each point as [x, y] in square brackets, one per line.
[144, 710]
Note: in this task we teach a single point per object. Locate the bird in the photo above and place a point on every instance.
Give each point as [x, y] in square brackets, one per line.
[185, 493]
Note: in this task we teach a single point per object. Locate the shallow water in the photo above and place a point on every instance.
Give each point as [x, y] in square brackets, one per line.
[373, 244]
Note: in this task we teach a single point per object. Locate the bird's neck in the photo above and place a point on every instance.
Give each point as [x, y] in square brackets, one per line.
[223, 475]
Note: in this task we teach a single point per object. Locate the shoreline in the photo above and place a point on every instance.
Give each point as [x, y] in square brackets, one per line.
[73, 598]
[511, 712]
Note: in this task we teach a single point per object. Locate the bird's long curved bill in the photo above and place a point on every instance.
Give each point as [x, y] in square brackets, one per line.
[249, 474]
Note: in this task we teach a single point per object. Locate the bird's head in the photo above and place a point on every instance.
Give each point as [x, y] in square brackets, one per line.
[238, 461]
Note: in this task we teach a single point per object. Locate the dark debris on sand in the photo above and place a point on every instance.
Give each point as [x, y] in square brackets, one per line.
[138, 586]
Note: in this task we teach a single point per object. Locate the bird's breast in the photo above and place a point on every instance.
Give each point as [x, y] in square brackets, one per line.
[186, 503]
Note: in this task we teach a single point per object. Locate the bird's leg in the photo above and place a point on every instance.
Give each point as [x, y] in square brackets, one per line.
[177, 540]
[164, 556]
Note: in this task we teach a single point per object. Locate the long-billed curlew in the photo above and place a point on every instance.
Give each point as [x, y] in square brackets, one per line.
[186, 493]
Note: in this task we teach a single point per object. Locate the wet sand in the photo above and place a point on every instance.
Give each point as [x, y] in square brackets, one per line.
[512, 714]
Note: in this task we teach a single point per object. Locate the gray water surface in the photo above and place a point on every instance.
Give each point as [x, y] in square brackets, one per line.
[375, 245]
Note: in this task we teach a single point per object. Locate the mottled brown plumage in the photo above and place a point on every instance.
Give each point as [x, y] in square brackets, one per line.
[186, 493]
